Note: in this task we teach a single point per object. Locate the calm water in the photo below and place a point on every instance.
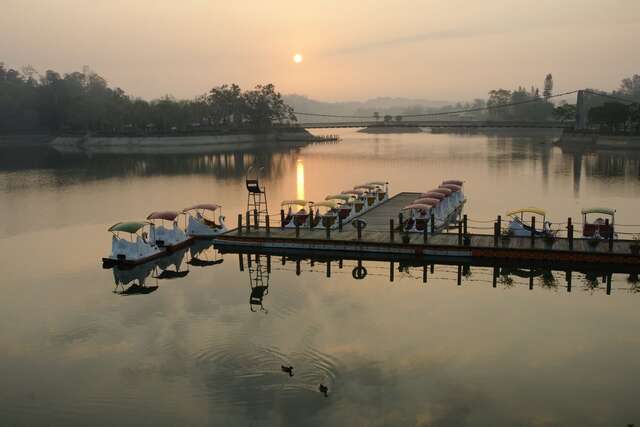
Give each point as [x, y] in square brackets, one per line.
[74, 350]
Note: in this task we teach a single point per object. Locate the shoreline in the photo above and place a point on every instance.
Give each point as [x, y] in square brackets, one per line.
[596, 141]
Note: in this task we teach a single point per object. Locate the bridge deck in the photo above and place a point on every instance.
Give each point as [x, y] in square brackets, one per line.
[376, 239]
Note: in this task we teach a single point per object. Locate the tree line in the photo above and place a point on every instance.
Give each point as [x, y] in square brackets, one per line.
[84, 102]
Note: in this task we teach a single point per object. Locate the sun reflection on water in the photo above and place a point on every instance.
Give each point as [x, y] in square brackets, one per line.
[300, 180]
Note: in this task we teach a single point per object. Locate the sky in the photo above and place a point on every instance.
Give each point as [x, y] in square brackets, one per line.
[352, 50]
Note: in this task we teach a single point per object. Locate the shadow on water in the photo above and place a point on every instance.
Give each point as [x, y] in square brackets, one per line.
[133, 280]
[230, 163]
[542, 275]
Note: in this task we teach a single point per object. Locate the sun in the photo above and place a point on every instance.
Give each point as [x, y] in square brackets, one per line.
[297, 58]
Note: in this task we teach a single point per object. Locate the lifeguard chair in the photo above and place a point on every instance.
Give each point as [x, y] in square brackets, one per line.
[256, 195]
[259, 281]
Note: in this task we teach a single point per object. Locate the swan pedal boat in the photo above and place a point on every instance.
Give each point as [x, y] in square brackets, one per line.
[201, 223]
[171, 237]
[134, 250]
[519, 227]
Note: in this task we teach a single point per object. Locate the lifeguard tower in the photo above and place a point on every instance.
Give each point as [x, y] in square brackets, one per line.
[257, 195]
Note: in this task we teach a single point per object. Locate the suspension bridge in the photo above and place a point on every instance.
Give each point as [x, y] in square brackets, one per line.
[439, 119]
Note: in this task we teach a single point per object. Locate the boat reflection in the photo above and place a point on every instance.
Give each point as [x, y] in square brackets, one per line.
[544, 276]
[133, 280]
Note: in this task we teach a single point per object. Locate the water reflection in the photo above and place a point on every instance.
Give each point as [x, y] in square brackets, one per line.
[133, 280]
[514, 274]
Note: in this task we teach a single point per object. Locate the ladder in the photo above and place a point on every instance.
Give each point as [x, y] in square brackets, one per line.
[256, 196]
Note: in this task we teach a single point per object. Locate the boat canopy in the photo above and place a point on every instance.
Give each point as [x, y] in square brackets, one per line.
[166, 215]
[452, 187]
[427, 201]
[367, 186]
[445, 191]
[327, 204]
[417, 206]
[527, 210]
[377, 183]
[205, 206]
[354, 191]
[294, 202]
[606, 211]
[453, 181]
[344, 197]
[128, 227]
[433, 194]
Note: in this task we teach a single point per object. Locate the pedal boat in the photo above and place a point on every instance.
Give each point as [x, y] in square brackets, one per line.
[167, 233]
[418, 217]
[345, 206]
[293, 217]
[598, 228]
[201, 221]
[325, 214]
[521, 226]
[130, 244]
[382, 189]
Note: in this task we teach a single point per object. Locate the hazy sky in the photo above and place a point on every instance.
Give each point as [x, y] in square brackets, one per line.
[353, 50]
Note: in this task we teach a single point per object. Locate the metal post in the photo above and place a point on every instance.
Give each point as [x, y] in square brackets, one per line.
[464, 224]
[425, 233]
[391, 271]
[533, 230]
[570, 233]
[494, 282]
[328, 268]
[432, 221]
[424, 273]
[459, 232]
[609, 283]
[297, 231]
[400, 222]
[241, 261]
[610, 237]
[266, 223]
[256, 223]
[499, 224]
[340, 263]
[282, 218]
[568, 279]
[248, 225]
[359, 229]
[459, 274]
[496, 233]
[297, 267]
[310, 219]
[239, 224]
[391, 229]
[531, 278]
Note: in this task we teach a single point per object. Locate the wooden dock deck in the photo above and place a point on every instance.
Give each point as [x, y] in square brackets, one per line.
[376, 238]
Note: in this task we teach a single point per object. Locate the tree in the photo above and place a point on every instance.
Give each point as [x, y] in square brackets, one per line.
[398, 118]
[388, 118]
[610, 116]
[376, 116]
[565, 112]
[630, 87]
[548, 87]
[496, 99]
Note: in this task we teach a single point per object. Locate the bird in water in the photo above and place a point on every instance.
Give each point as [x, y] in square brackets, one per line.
[288, 369]
[324, 390]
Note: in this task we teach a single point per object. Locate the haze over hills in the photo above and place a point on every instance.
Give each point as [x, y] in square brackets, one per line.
[382, 105]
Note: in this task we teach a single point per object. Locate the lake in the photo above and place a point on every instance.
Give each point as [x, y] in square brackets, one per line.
[80, 344]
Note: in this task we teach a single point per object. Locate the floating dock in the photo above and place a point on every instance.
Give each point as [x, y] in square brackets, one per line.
[379, 238]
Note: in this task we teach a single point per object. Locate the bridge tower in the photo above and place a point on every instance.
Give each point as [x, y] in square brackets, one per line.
[581, 111]
[256, 196]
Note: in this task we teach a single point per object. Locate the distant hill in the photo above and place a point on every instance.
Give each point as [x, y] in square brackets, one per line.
[384, 106]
